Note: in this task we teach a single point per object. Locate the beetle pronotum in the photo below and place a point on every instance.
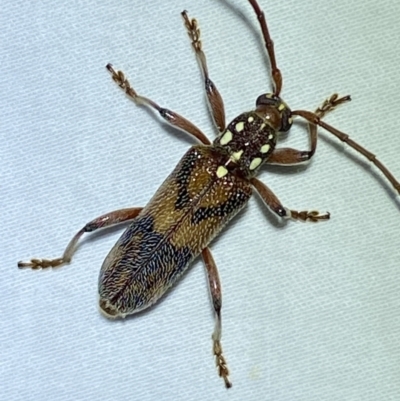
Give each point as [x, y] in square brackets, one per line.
[210, 184]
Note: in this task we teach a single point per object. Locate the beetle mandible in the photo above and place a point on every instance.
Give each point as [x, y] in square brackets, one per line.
[209, 186]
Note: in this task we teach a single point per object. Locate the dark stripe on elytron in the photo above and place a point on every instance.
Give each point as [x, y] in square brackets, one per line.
[235, 202]
[149, 255]
[183, 178]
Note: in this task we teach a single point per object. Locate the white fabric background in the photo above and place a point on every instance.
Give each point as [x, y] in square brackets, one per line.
[310, 312]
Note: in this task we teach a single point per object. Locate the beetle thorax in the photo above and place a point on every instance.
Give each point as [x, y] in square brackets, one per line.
[247, 141]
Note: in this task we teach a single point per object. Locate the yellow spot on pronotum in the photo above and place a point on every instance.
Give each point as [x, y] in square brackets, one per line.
[270, 136]
[269, 95]
[237, 155]
[265, 148]
[290, 119]
[221, 171]
[226, 138]
[281, 107]
[255, 163]
[239, 126]
[250, 119]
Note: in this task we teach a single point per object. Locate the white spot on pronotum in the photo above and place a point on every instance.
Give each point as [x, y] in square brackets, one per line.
[226, 138]
[255, 163]
[221, 171]
[265, 148]
[270, 136]
[290, 119]
[239, 126]
[250, 119]
[237, 155]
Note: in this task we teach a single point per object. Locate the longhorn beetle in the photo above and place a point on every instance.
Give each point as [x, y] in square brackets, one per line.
[210, 184]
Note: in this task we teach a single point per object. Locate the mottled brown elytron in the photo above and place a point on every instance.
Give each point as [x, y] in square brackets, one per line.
[180, 220]
[211, 183]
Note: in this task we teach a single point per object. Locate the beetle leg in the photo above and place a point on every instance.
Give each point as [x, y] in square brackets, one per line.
[289, 156]
[170, 116]
[106, 220]
[330, 104]
[216, 296]
[214, 97]
[274, 204]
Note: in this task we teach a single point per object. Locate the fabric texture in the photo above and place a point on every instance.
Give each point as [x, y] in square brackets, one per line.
[310, 311]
